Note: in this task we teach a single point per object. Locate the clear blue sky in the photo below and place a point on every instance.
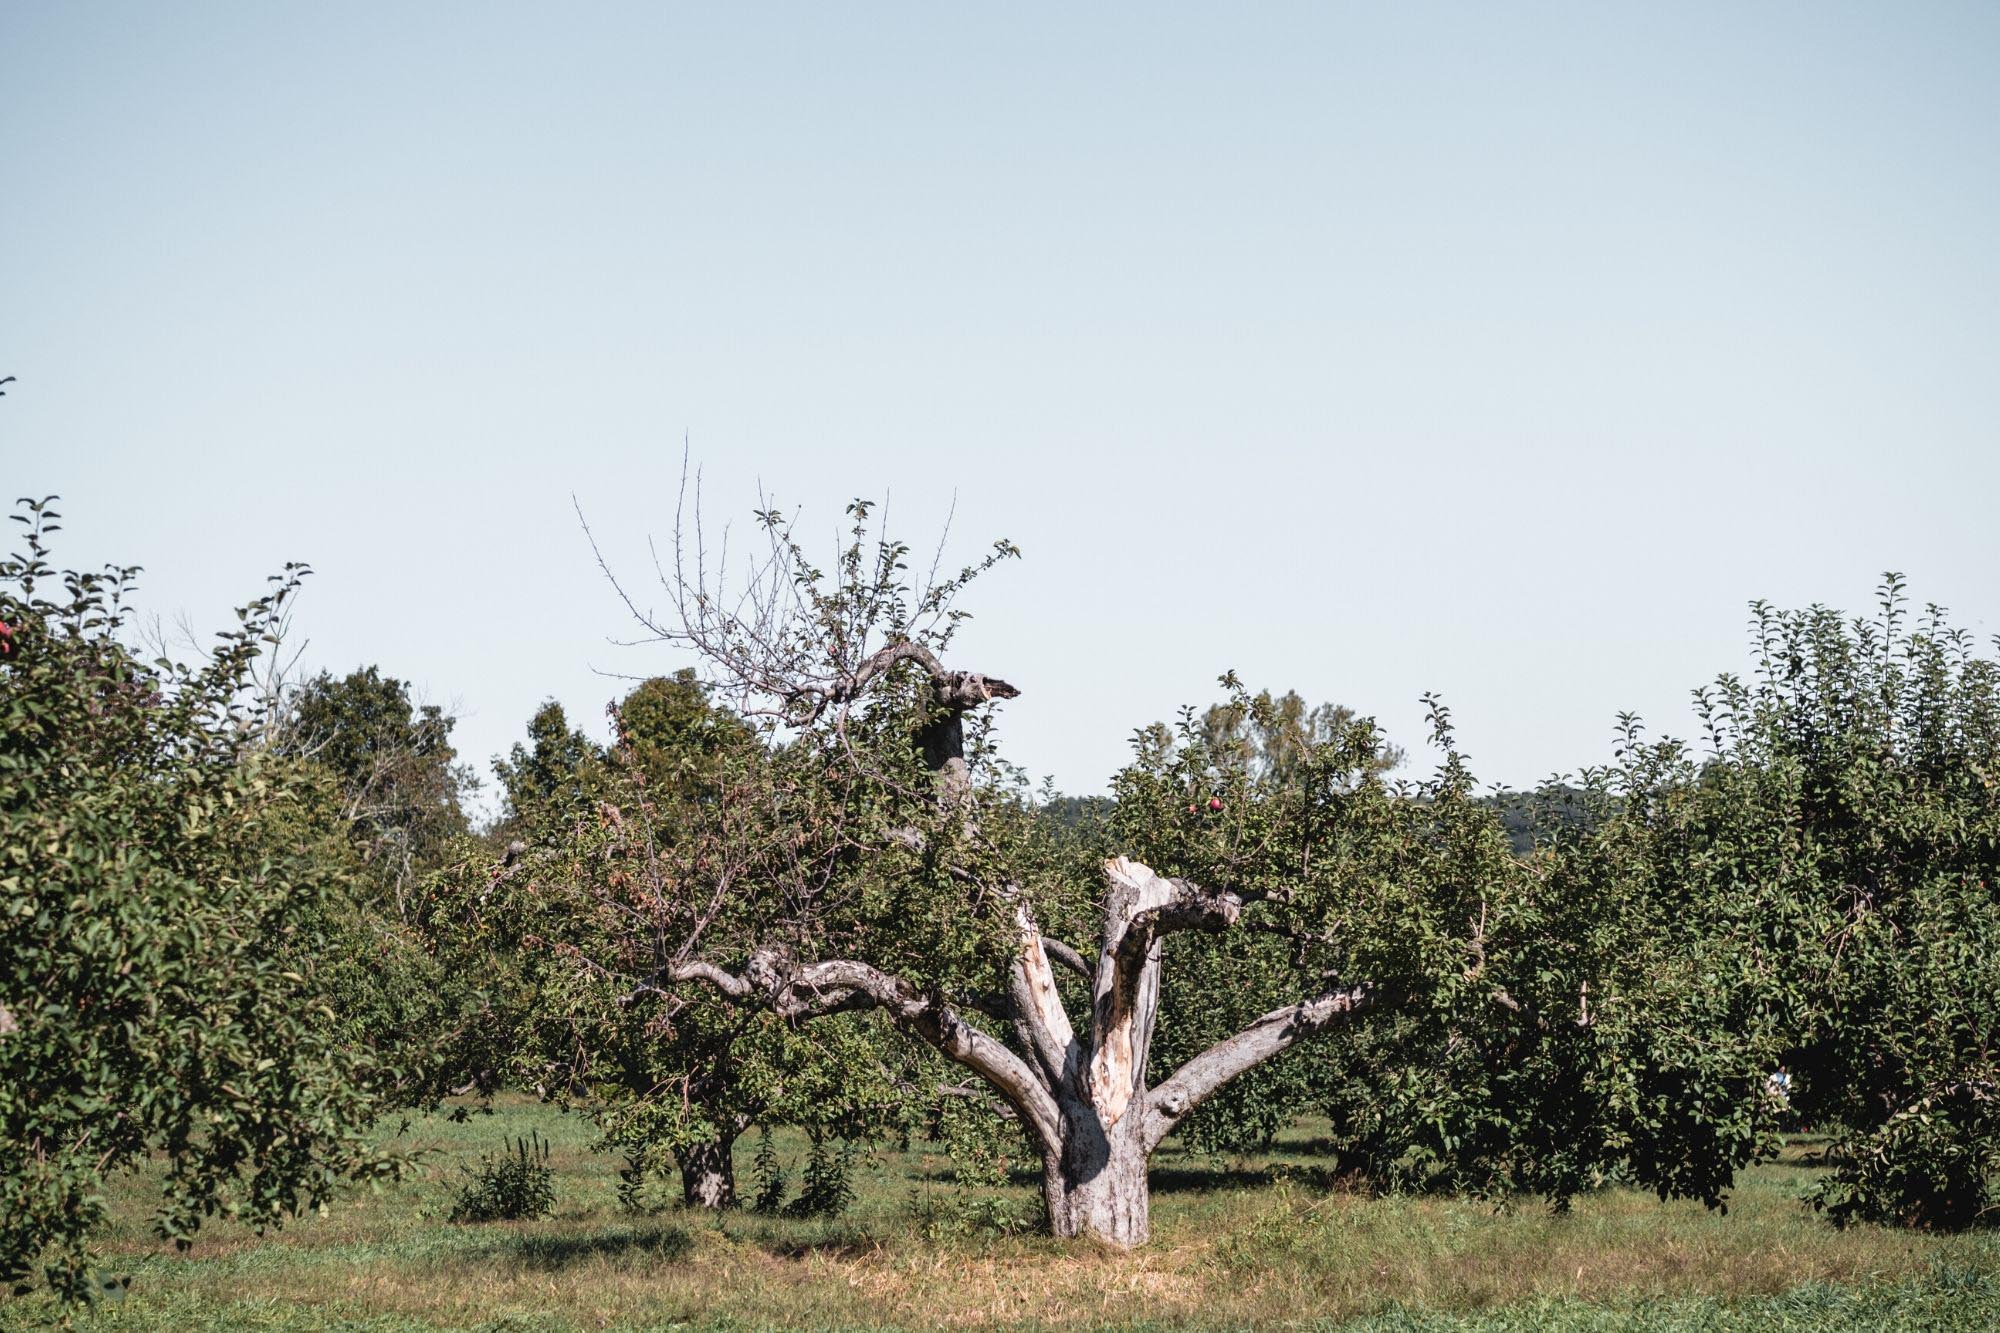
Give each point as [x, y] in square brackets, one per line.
[1500, 350]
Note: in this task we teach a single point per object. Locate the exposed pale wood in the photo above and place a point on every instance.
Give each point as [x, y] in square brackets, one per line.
[1048, 1019]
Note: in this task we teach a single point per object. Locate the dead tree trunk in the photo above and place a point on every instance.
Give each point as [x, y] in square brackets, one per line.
[1095, 1184]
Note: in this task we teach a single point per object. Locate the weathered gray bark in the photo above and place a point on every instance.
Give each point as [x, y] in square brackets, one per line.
[1095, 1183]
[708, 1174]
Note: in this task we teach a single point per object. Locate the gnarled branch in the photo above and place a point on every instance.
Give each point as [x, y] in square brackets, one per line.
[1198, 1079]
[1069, 958]
[799, 991]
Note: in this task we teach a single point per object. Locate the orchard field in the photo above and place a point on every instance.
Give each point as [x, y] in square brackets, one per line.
[702, 666]
[797, 1005]
[1252, 1240]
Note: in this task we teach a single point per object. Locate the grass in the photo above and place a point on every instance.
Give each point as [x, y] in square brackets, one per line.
[1258, 1241]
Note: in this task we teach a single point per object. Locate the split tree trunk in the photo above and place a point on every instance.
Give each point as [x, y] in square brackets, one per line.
[708, 1174]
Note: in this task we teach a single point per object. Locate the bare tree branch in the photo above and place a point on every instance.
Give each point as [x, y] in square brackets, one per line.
[1069, 957]
[800, 991]
[1205, 1074]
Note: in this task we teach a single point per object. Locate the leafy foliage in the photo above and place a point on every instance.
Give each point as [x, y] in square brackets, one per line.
[392, 760]
[509, 1186]
[824, 1188]
[613, 856]
[158, 916]
[1550, 1031]
[559, 768]
[416, 1019]
[769, 1180]
[1842, 840]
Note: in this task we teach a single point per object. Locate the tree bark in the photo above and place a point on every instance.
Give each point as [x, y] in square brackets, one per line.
[708, 1174]
[1094, 1184]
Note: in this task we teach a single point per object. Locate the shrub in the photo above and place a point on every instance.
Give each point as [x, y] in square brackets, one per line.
[768, 1174]
[509, 1187]
[1932, 1165]
[824, 1190]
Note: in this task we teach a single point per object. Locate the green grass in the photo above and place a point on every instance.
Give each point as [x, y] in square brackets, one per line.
[1253, 1241]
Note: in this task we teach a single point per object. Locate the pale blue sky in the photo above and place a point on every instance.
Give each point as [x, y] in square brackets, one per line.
[1500, 350]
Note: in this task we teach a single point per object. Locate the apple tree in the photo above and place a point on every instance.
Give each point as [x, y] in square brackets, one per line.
[158, 915]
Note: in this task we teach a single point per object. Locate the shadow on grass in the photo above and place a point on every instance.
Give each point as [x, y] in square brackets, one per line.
[1207, 1179]
[850, 1246]
[1816, 1162]
[1190, 1176]
[1211, 1179]
[553, 1253]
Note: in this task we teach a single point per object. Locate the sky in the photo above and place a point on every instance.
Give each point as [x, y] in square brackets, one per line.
[1505, 352]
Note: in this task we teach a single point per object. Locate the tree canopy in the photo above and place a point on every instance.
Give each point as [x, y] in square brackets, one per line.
[399, 780]
[158, 915]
